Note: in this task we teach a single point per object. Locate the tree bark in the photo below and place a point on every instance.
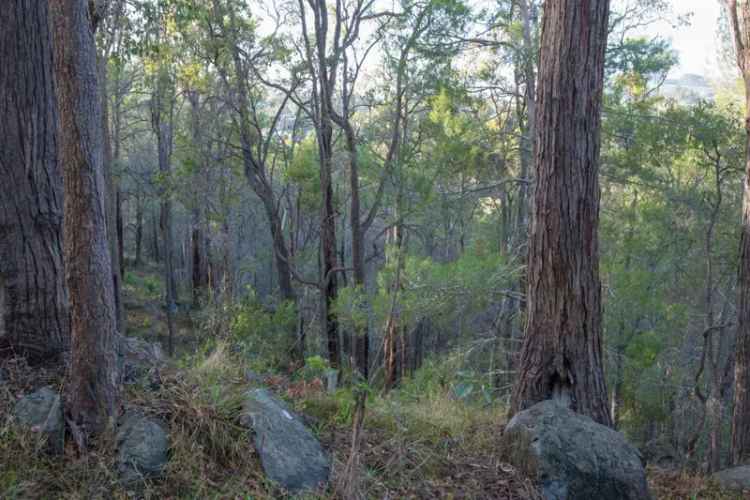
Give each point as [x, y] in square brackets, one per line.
[34, 311]
[92, 388]
[739, 17]
[562, 352]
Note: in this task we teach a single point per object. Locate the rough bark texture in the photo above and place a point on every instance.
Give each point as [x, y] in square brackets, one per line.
[562, 352]
[34, 315]
[739, 17]
[92, 385]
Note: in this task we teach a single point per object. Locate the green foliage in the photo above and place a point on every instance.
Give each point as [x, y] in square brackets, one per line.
[262, 332]
[444, 291]
[351, 308]
[641, 56]
[145, 287]
[303, 171]
[315, 367]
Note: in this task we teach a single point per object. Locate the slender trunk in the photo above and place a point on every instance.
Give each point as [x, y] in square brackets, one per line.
[255, 172]
[350, 487]
[528, 15]
[92, 388]
[138, 232]
[393, 324]
[328, 253]
[155, 238]
[227, 281]
[741, 414]
[120, 232]
[34, 310]
[111, 202]
[361, 342]
[197, 238]
[161, 120]
[165, 226]
[562, 352]
[116, 142]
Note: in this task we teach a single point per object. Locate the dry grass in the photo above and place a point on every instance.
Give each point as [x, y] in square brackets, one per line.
[679, 485]
[431, 447]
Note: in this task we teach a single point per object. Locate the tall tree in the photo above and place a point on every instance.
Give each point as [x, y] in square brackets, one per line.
[256, 138]
[198, 233]
[562, 350]
[112, 18]
[162, 108]
[92, 386]
[323, 61]
[739, 16]
[34, 316]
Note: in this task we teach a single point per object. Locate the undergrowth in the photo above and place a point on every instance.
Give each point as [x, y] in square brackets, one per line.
[420, 441]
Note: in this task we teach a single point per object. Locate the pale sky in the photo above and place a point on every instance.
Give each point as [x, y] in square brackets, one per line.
[697, 44]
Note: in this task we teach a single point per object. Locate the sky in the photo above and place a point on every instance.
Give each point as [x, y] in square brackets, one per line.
[697, 44]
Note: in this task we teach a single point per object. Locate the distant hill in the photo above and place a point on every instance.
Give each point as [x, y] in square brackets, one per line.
[688, 88]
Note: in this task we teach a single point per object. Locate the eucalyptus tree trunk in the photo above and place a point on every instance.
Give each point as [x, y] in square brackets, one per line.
[562, 351]
[394, 328]
[197, 236]
[517, 239]
[34, 315]
[739, 16]
[257, 176]
[329, 278]
[361, 343]
[111, 194]
[162, 115]
[138, 232]
[92, 388]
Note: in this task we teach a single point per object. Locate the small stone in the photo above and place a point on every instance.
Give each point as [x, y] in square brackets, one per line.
[42, 413]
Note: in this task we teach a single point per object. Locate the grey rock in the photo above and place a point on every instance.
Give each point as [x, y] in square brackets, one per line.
[571, 457]
[736, 478]
[42, 412]
[142, 447]
[288, 451]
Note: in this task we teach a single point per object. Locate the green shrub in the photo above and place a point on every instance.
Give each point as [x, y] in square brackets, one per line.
[315, 367]
[262, 332]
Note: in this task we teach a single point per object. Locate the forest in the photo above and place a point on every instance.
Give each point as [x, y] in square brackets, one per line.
[354, 249]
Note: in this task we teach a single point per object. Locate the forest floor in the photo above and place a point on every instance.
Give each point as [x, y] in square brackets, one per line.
[417, 444]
